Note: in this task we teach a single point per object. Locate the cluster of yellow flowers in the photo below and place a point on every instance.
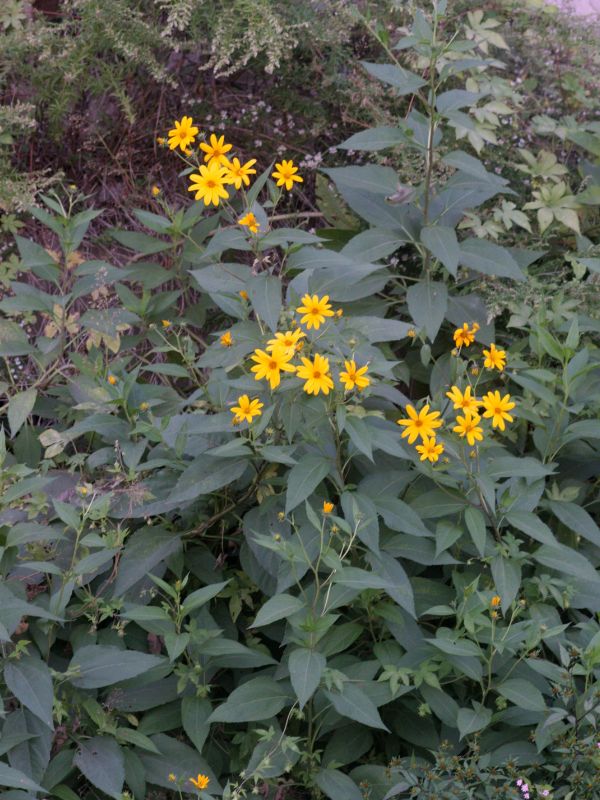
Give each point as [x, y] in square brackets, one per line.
[424, 424]
[200, 782]
[279, 351]
[219, 170]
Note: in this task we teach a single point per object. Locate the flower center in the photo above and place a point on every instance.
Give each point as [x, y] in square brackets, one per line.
[273, 365]
[316, 374]
[497, 411]
[314, 311]
[418, 423]
[210, 184]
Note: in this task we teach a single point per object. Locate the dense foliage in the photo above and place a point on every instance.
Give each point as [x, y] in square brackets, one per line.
[313, 512]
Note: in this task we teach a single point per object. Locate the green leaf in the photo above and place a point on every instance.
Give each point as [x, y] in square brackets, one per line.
[443, 244]
[264, 292]
[354, 704]
[507, 580]
[30, 681]
[476, 526]
[20, 407]
[337, 786]
[100, 759]
[567, 561]
[15, 779]
[427, 304]
[202, 596]
[178, 758]
[513, 467]
[402, 80]
[523, 694]
[303, 479]
[532, 525]
[13, 340]
[144, 549]
[258, 698]
[374, 139]
[483, 256]
[460, 647]
[470, 721]
[195, 712]
[131, 736]
[278, 607]
[360, 437]
[306, 668]
[357, 578]
[141, 242]
[577, 519]
[102, 665]
[36, 259]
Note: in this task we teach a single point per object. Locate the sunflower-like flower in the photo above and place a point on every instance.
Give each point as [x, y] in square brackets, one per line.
[249, 221]
[463, 400]
[430, 450]
[215, 151]
[288, 342]
[270, 365]
[468, 427]
[226, 339]
[238, 173]
[494, 358]
[465, 336]
[285, 174]
[201, 782]
[422, 423]
[316, 374]
[246, 409]
[327, 507]
[354, 376]
[209, 184]
[315, 309]
[183, 134]
[497, 408]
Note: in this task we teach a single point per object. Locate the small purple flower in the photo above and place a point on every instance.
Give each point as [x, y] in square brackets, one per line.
[525, 787]
[545, 792]
[520, 781]
[526, 795]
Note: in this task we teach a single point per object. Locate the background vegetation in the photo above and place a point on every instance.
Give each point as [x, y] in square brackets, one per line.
[299, 605]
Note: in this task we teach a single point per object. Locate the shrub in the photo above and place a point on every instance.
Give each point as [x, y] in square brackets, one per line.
[256, 531]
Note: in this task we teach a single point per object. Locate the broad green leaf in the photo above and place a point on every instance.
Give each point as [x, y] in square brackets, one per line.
[257, 699]
[374, 139]
[360, 437]
[357, 578]
[102, 665]
[36, 259]
[30, 681]
[507, 580]
[476, 526]
[460, 647]
[134, 737]
[141, 242]
[278, 607]
[354, 704]
[202, 596]
[473, 720]
[513, 467]
[264, 291]
[20, 407]
[303, 479]
[337, 786]
[178, 758]
[427, 304]
[443, 244]
[100, 759]
[567, 561]
[482, 256]
[402, 80]
[523, 694]
[577, 519]
[143, 550]
[195, 712]
[13, 340]
[15, 779]
[532, 525]
[306, 668]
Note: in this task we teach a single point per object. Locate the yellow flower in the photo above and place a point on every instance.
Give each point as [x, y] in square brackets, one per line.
[243, 294]
[183, 134]
[246, 409]
[238, 173]
[327, 507]
[468, 426]
[494, 358]
[411, 333]
[112, 380]
[495, 601]
[463, 401]
[269, 365]
[144, 406]
[166, 323]
[316, 375]
[161, 140]
[214, 152]
[315, 310]
[465, 336]
[201, 782]
[429, 450]
[419, 424]
[475, 371]
[354, 377]
[249, 221]
[497, 408]
[172, 777]
[83, 490]
[155, 191]
[288, 341]
[285, 174]
[208, 184]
